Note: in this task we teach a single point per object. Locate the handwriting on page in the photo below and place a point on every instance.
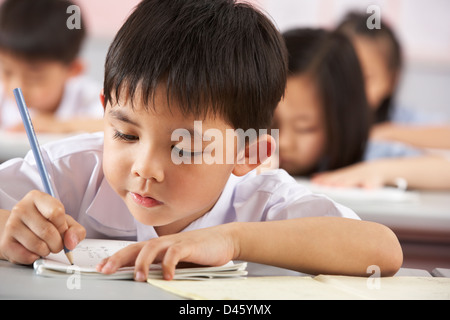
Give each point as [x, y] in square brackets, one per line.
[89, 255]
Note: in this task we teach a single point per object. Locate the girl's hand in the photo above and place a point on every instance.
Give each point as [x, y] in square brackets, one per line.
[210, 246]
[35, 227]
[368, 175]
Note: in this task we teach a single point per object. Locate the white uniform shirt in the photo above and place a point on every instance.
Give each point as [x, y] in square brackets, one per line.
[80, 99]
[75, 166]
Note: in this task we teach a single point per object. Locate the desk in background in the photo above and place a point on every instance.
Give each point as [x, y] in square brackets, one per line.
[421, 220]
[16, 145]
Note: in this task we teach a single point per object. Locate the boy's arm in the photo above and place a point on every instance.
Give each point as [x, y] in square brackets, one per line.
[314, 245]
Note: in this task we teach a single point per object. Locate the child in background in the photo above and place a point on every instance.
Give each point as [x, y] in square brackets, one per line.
[39, 54]
[173, 62]
[381, 59]
[323, 118]
[395, 150]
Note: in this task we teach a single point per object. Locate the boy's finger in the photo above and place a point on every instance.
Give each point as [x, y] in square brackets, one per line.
[30, 242]
[44, 230]
[143, 261]
[122, 258]
[51, 209]
[74, 234]
[17, 253]
[173, 255]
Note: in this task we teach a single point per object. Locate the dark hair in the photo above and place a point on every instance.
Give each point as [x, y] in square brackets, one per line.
[331, 60]
[37, 30]
[213, 57]
[355, 24]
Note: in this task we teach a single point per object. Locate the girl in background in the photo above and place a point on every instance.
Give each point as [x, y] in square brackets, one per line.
[380, 55]
[323, 118]
[396, 147]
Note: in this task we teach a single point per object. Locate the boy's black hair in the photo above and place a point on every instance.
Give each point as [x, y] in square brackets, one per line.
[355, 24]
[214, 57]
[37, 30]
[330, 59]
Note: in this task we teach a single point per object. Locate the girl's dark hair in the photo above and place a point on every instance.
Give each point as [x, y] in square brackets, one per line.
[37, 30]
[330, 59]
[355, 24]
[211, 56]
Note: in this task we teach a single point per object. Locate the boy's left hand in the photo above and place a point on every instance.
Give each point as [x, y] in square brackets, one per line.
[209, 246]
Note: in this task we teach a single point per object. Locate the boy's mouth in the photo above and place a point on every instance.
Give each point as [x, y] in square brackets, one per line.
[144, 201]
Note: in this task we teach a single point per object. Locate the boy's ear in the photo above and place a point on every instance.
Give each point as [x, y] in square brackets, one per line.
[255, 154]
[76, 67]
[102, 99]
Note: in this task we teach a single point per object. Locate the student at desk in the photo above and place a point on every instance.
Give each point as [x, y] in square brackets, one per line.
[399, 138]
[39, 54]
[220, 62]
[323, 117]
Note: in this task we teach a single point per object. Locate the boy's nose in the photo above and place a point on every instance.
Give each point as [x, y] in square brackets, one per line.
[149, 166]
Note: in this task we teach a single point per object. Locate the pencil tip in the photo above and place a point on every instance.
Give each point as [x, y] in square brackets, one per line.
[70, 257]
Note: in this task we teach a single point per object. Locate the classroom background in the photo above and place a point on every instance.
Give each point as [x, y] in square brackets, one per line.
[423, 28]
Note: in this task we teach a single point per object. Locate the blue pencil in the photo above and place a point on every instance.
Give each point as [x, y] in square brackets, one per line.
[36, 151]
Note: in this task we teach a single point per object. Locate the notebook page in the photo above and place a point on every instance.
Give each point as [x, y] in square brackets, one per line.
[86, 255]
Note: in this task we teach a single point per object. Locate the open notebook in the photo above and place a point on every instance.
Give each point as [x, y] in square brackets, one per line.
[91, 251]
[321, 287]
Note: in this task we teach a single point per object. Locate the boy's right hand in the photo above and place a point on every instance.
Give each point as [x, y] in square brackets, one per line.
[37, 226]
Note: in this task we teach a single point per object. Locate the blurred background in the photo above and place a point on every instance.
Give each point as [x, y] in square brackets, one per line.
[423, 28]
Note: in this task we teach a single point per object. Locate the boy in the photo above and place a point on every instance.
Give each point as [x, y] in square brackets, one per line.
[172, 63]
[39, 53]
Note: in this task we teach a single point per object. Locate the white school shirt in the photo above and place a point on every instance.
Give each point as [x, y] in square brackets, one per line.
[80, 99]
[75, 166]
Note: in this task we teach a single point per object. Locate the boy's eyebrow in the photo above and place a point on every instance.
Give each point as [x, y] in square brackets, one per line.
[192, 132]
[121, 116]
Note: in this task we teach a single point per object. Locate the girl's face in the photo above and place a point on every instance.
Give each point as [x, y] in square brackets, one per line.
[300, 119]
[379, 80]
[138, 164]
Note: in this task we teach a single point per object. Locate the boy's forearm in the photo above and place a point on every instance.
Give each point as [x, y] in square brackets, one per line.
[327, 245]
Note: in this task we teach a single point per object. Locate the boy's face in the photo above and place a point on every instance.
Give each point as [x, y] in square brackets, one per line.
[138, 163]
[299, 116]
[42, 82]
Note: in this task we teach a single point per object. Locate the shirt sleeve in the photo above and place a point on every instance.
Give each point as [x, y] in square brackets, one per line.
[74, 170]
[277, 196]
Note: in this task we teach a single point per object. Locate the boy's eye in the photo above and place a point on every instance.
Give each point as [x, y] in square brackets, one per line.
[185, 153]
[126, 137]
